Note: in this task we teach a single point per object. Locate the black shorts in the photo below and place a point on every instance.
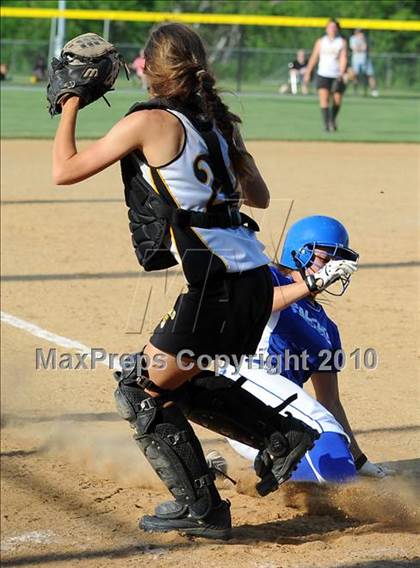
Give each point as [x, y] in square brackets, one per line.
[226, 317]
[332, 85]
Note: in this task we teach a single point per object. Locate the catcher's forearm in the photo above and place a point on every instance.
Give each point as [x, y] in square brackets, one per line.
[285, 296]
[255, 190]
[64, 147]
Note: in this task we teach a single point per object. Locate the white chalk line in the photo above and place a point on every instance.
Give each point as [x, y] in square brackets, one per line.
[34, 329]
[59, 340]
[39, 537]
[9, 543]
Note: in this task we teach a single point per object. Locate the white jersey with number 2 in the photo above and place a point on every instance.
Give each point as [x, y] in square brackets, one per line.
[187, 181]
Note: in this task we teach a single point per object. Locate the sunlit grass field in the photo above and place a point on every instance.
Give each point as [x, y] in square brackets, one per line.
[265, 117]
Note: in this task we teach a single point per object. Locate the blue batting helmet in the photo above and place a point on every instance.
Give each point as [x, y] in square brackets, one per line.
[313, 232]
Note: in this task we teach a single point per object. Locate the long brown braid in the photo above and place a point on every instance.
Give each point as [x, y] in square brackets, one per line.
[177, 70]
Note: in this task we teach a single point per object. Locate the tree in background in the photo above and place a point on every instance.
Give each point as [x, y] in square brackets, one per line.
[223, 41]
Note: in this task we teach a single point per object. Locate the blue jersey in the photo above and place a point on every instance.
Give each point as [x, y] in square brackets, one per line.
[299, 340]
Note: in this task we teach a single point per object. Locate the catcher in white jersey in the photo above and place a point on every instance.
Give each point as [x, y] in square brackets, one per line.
[184, 165]
[330, 51]
[300, 342]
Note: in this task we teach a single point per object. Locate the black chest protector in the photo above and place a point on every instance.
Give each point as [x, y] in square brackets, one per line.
[151, 214]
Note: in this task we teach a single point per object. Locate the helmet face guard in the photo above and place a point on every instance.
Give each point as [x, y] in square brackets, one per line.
[305, 257]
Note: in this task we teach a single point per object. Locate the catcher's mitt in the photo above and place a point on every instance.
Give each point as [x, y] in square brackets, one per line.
[88, 67]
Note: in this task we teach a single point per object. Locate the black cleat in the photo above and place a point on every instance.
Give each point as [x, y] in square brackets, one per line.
[173, 516]
[276, 464]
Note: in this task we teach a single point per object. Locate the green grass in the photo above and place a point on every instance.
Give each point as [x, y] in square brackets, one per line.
[269, 86]
[386, 119]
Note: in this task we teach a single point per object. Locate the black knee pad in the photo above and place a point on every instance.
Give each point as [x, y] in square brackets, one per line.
[132, 402]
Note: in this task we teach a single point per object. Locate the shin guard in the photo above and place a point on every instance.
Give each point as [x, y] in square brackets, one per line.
[170, 445]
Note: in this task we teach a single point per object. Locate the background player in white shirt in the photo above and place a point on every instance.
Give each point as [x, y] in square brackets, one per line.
[361, 62]
[330, 52]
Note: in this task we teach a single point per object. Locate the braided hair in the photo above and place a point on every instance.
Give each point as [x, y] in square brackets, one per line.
[177, 70]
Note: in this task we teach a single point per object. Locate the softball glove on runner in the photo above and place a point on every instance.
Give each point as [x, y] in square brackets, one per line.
[333, 271]
[88, 67]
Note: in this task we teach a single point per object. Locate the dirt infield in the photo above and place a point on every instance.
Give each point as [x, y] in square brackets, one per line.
[73, 481]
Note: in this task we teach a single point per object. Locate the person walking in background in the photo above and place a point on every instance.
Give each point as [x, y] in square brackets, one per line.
[361, 63]
[330, 52]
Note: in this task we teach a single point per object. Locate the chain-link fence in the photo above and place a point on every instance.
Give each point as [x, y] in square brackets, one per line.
[265, 70]
[243, 70]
